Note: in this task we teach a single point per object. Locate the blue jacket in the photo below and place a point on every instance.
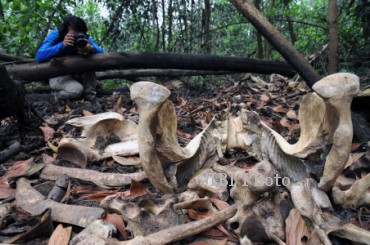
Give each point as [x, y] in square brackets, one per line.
[51, 47]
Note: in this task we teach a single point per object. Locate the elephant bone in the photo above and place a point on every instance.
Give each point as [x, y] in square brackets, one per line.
[337, 90]
[247, 188]
[103, 135]
[357, 195]
[168, 166]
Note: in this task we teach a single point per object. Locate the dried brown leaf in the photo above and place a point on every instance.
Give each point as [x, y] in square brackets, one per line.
[197, 215]
[354, 157]
[87, 113]
[265, 98]
[127, 161]
[295, 228]
[47, 159]
[61, 235]
[280, 109]
[92, 192]
[138, 189]
[117, 221]
[47, 131]
[292, 114]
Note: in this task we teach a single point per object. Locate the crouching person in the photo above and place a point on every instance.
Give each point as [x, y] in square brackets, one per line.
[71, 39]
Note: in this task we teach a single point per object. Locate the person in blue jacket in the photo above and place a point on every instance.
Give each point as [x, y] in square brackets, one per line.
[61, 43]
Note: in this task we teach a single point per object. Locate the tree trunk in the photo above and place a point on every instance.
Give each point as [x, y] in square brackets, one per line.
[170, 20]
[293, 36]
[185, 24]
[2, 12]
[117, 15]
[101, 62]
[207, 27]
[333, 65]
[10, 58]
[163, 27]
[154, 9]
[294, 58]
[257, 3]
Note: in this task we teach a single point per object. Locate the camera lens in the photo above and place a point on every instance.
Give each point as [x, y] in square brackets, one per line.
[81, 41]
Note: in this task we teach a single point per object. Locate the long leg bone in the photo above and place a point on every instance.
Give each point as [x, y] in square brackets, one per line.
[179, 232]
[34, 202]
[337, 90]
[103, 180]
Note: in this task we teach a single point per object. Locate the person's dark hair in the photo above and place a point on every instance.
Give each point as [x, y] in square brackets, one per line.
[75, 23]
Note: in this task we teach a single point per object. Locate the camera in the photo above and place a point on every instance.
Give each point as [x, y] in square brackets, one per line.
[81, 41]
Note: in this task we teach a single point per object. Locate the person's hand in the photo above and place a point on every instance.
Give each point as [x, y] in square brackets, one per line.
[69, 39]
[88, 49]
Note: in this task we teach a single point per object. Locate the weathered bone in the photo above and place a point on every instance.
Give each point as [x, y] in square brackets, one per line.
[179, 232]
[248, 187]
[265, 221]
[314, 204]
[95, 233]
[357, 195]
[103, 180]
[266, 143]
[337, 90]
[311, 121]
[144, 216]
[34, 202]
[209, 183]
[99, 127]
[168, 165]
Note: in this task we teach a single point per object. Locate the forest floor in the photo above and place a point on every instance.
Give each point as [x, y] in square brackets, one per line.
[277, 102]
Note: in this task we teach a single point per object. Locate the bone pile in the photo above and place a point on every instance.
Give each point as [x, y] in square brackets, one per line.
[251, 206]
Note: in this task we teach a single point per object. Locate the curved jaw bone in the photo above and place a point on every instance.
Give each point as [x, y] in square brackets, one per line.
[324, 116]
[168, 165]
[103, 135]
[337, 90]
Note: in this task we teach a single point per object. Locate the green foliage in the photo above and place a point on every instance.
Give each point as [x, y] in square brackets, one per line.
[24, 22]
[137, 25]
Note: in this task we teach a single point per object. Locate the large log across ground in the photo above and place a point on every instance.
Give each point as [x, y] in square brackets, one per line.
[144, 60]
[137, 73]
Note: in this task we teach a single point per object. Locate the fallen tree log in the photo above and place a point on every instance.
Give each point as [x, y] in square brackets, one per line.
[102, 62]
[11, 58]
[129, 74]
